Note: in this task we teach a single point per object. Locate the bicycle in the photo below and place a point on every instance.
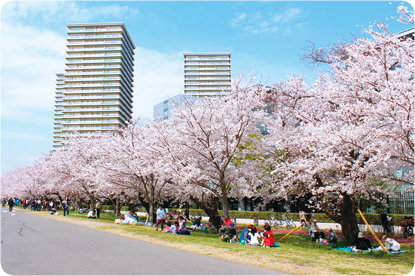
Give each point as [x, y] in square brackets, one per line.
[272, 221]
[290, 223]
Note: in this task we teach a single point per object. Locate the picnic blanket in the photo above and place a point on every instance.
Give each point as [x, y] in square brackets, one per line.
[349, 249]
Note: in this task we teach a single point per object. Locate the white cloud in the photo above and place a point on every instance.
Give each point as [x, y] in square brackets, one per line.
[157, 77]
[256, 23]
[290, 14]
[30, 60]
[240, 17]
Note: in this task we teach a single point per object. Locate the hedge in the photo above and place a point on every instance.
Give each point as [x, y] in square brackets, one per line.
[111, 207]
[373, 219]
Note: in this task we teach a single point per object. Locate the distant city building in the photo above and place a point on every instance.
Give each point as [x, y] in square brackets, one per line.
[57, 132]
[94, 95]
[409, 33]
[207, 74]
[164, 109]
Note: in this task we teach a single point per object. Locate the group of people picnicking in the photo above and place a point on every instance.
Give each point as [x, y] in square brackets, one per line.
[250, 235]
[361, 243]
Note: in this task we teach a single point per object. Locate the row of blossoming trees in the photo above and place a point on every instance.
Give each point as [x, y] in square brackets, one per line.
[348, 135]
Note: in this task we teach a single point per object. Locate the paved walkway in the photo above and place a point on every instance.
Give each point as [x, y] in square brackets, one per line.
[35, 245]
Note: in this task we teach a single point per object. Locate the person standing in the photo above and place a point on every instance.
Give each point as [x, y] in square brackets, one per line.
[39, 205]
[65, 207]
[98, 208]
[11, 204]
[160, 217]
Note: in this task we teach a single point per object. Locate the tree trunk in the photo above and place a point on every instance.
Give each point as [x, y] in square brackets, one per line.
[92, 199]
[210, 206]
[117, 207]
[347, 217]
[76, 203]
[151, 212]
[224, 199]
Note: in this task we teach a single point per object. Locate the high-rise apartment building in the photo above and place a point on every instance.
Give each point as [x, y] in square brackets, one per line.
[94, 95]
[207, 74]
[57, 132]
[164, 109]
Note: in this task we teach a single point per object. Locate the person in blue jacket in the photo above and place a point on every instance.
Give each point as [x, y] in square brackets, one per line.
[245, 234]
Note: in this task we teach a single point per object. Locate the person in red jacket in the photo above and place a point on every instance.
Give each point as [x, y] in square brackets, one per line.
[268, 236]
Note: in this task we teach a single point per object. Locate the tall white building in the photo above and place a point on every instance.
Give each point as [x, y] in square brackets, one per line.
[164, 109]
[94, 95]
[207, 74]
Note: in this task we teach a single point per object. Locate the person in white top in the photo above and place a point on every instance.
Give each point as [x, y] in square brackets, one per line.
[391, 244]
[253, 234]
[91, 215]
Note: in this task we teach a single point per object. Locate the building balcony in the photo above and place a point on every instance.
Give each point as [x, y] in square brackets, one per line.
[94, 79]
[219, 88]
[212, 93]
[88, 35]
[95, 30]
[90, 128]
[205, 68]
[196, 73]
[95, 61]
[99, 73]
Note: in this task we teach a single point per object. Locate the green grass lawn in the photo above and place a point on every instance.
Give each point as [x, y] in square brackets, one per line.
[297, 254]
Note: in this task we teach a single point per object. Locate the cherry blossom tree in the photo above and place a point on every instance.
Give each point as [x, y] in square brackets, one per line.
[132, 163]
[204, 138]
[77, 169]
[351, 129]
[29, 181]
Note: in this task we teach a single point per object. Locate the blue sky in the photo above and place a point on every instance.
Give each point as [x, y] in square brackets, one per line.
[264, 37]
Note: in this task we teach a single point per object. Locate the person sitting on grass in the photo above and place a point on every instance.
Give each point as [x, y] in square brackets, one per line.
[268, 237]
[361, 242]
[391, 244]
[168, 228]
[182, 226]
[332, 237]
[128, 219]
[53, 212]
[174, 227]
[245, 234]
[91, 215]
[253, 237]
[227, 231]
[209, 225]
[315, 231]
[197, 222]
[132, 215]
